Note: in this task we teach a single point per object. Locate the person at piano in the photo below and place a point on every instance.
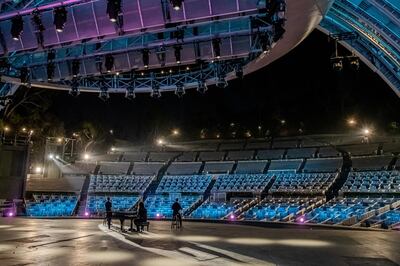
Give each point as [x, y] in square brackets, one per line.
[108, 206]
[176, 212]
[141, 216]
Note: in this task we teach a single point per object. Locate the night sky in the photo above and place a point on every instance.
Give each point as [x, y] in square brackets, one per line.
[300, 88]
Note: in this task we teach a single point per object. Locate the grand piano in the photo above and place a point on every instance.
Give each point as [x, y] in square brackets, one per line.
[125, 215]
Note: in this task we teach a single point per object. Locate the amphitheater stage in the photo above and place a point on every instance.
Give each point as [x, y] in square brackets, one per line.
[87, 242]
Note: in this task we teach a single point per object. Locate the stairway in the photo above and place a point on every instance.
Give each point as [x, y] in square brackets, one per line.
[339, 182]
[81, 206]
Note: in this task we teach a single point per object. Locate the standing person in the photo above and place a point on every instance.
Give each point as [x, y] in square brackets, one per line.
[142, 216]
[108, 206]
[176, 212]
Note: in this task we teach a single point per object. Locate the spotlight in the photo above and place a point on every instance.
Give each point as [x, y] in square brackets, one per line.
[351, 122]
[367, 131]
[50, 70]
[145, 57]
[155, 93]
[176, 4]
[178, 49]
[103, 94]
[6, 129]
[337, 63]
[130, 94]
[86, 156]
[221, 82]
[354, 62]
[59, 140]
[216, 47]
[113, 9]
[232, 217]
[160, 141]
[57, 157]
[161, 56]
[51, 156]
[158, 215]
[201, 86]
[175, 132]
[10, 214]
[87, 214]
[76, 65]
[283, 121]
[109, 63]
[60, 18]
[239, 71]
[24, 75]
[74, 91]
[301, 219]
[180, 90]
[38, 170]
[17, 26]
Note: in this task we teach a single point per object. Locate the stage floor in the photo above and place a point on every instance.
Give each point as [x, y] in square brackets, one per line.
[87, 242]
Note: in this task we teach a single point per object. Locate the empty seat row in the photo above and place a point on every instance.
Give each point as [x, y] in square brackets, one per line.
[179, 184]
[254, 183]
[119, 183]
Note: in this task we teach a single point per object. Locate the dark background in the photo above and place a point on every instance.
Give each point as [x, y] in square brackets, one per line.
[300, 88]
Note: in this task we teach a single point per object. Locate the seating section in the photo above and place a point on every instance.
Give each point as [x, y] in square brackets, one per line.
[372, 182]
[250, 167]
[270, 154]
[231, 146]
[112, 157]
[300, 153]
[79, 167]
[240, 155]
[285, 165]
[119, 183]
[184, 168]
[115, 168]
[142, 168]
[254, 183]
[302, 183]
[217, 210]
[371, 162]
[134, 157]
[279, 209]
[284, 144]
[66, 184]
[258, 146]
[323, 165]
[338, 211]
[390, 218]
[391, 148]
[187, 157]
[361, 149]
[159, 206]
[52, 205]
[96, 204]
[182, 184]
[211, 156]
[162, 156]
[218, 167]
[325, 152]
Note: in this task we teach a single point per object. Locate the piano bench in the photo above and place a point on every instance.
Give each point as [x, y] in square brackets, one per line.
[145, 224]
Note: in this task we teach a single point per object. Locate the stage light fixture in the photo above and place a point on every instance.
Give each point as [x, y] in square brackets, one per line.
[109, 63]
[221, 82]
[17, 26]
[103, 94]
[60, 18]
[50, 71]
[155, 92]
[239, 71]
[24, 75]
[113, 9]
[201, 86]
[86, 156]
[180, 90]
[145, 57]
[337, 63]
[177, 51]
[216, 43]
[176, 4]
[76, 65]
[130, 94]
[161, 56]
[354, 63]
[74, 91]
